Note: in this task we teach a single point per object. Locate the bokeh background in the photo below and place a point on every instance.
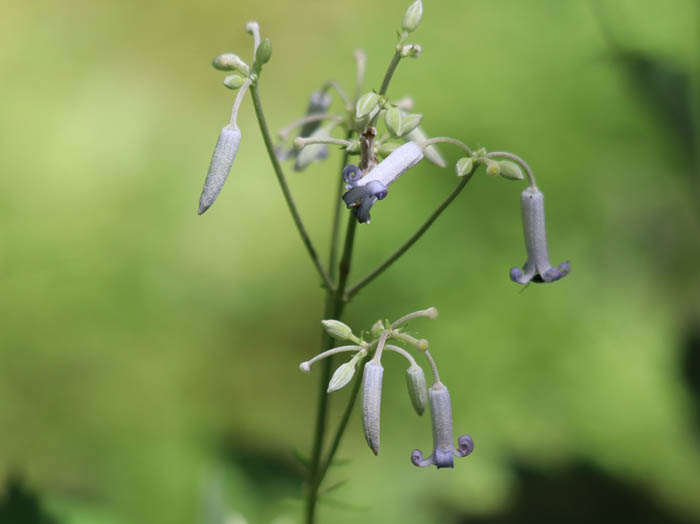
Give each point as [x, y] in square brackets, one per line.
[148, 356]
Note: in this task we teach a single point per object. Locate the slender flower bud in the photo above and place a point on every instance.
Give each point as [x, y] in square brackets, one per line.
[221, 162]
[338, 330]
[412, 17]
[537, 268]
[371, 403]
[415, 380]
[231, 62]
[444, 449]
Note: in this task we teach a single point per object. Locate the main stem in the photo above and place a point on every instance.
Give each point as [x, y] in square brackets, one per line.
[333, 309]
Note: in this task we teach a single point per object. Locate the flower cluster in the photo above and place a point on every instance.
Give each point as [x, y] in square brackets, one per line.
[381, 334]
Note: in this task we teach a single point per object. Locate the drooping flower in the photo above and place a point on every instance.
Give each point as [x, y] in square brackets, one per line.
[365, 190]
[444, 450]
[537, 268]
[220, 165]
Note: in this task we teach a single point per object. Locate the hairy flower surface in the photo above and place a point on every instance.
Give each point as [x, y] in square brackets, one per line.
[537, 268]
[221, 162]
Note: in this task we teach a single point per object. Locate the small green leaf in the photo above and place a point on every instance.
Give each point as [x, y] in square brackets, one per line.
[464, 166]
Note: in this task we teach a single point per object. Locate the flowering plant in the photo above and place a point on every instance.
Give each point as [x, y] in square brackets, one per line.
[382, 159]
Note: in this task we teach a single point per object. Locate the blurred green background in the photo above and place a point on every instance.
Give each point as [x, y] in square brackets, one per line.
[148, 356]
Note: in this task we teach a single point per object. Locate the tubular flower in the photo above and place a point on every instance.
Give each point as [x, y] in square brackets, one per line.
[371, 403]
[365, 190]
[537, 268]
[221, 162]
[441, 415]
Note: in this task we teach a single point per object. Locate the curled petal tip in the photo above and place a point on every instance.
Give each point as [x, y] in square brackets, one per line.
[465, 445]
[416, 457]
[517, 276]
[351, 174]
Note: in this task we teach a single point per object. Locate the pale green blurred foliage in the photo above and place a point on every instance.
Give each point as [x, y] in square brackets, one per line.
[135, 335]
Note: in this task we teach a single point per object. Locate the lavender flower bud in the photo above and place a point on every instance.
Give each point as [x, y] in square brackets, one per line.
[537, 267]
[415, 379]
[221, 162]
[371, 403]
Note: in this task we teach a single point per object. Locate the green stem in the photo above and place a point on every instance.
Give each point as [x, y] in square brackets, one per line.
[337, 208]
[390, 72]
[412, 240]
[285, 188]
[334, 309]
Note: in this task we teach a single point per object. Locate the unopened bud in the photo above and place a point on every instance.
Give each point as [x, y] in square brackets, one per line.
[338, 330]
[231, 62]
[464, 166]
[305, 367]
[220, 165]
[431, 313]
[342, 376]
[493, 168]
[234, 81]
[366, 105]
[377, 329]
[412, 50]
[371, 403]
[511, 170]
[415, 380]
[412, 17]
[264, 52]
